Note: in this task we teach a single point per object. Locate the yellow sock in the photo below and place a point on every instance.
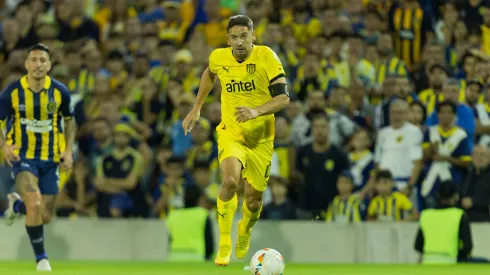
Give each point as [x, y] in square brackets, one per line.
[249, 218]
[226, 212]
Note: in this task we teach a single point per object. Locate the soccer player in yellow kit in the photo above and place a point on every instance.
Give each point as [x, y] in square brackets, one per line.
[254, 87]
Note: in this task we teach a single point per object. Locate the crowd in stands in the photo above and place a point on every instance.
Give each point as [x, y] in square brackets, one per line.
[389, 99]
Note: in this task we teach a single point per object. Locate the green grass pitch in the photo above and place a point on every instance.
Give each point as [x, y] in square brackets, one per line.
[150, 268]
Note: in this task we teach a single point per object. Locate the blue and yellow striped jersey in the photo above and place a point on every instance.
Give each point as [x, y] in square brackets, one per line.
[36, 118]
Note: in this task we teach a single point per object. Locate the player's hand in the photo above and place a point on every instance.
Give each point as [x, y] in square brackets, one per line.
[244, 113]
[66, 160]
[190, 120]
[9, 153]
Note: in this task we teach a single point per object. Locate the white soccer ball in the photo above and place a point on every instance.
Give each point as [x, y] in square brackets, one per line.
[267, 261]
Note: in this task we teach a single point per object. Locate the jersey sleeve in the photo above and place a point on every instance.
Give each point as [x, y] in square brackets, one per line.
[5, 104]
[372, 208]
[274, 67]
[213, 65]
[66, 108]
[138, 168]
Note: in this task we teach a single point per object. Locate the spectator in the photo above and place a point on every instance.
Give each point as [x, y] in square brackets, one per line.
[480, 111]
[10, 38]
[201, 174]
[320, 164]
[447, 153]
[73, 23]
[418, 115]
[190, 230]
[476, 190]
[438, 75]
[118, 179]
[464, 114]
[182, 143]
[400, 139]
[169, 194]
[172, 27]
[25, 19]
[390, 205]
[284, 147]
[346, 207]
[361, 159]
[203, 149]
[281, 208]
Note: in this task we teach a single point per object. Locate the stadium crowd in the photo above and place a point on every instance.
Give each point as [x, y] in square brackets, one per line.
[378, 87]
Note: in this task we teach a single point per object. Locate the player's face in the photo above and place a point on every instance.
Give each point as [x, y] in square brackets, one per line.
[121, 140]
[241, 39]
[446, 116]
[472, 94]
[38, 64]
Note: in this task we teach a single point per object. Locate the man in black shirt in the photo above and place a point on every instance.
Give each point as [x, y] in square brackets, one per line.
[320, 164]
[476, 193]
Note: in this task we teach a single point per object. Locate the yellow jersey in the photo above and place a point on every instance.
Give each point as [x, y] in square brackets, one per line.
[246, 84]
[394, 207]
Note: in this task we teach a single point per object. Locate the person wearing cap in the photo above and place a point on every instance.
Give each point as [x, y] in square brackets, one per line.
[464, 115]
[185, 72]
[173, 27]
[444, 235]
[118, 176]
[346, 207]
[438, 74]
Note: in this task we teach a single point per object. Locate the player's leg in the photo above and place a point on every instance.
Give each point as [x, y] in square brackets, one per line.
[257, 176]
[227, 202]
[251, 209]
[32, 205]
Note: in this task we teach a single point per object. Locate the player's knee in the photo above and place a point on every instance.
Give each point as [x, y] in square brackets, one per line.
[34, 206]
[254, 204]
[47, 217]
[230, 183]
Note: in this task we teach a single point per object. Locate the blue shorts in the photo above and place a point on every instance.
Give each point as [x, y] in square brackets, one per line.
[48, 174]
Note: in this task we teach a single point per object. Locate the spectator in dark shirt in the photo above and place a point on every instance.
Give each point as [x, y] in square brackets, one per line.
[476, 193]
[10, 39]
[25, 18]
[73, 24]
[320, 163]
[280, 208]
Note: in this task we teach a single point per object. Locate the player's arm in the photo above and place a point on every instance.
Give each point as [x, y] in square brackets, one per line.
[280, 98]
[208, 79]
[5, 111]
[67, 113]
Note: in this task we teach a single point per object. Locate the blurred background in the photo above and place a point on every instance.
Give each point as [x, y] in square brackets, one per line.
[133, 68]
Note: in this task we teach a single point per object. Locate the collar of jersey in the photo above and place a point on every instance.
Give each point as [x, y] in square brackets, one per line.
[25, 85]
[448, 133]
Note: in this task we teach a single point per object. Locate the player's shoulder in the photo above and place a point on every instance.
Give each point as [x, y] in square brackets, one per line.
[11, 87]
[264, 51]
[59, 86]
[219, 53]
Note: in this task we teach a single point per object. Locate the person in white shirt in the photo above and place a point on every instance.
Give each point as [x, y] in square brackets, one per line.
[399, 147]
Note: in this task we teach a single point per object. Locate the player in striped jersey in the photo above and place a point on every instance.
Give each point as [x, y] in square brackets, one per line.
[37, 105]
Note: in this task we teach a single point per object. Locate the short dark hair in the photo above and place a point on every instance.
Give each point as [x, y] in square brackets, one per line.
[240, 20]
[447, 190]
[384, 175]
[320, 115]
[447, 103]
[422, 106]
[39, 47]
[200, 164]
[192, 194]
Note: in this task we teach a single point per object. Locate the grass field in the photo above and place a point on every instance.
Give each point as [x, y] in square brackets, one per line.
[145, 268]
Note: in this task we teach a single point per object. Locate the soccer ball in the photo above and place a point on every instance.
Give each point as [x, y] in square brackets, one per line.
[267, 261]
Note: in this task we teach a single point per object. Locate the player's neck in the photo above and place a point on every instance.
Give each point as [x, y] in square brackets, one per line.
[446, 128]
[35, 85]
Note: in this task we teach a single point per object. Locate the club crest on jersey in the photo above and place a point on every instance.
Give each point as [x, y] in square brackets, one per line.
[51, 107]
[250, 68]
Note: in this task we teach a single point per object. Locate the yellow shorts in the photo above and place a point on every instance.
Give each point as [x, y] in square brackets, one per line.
[256, 161]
